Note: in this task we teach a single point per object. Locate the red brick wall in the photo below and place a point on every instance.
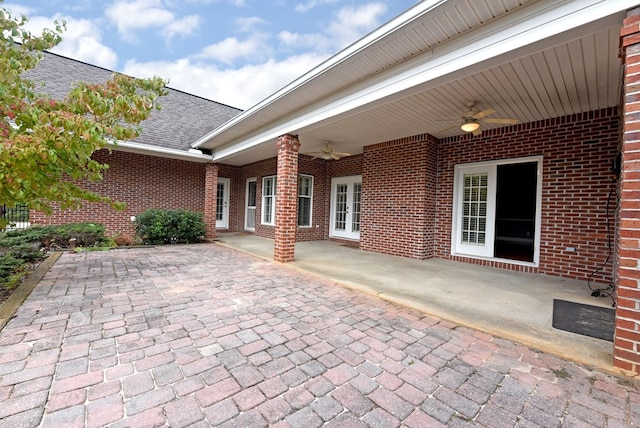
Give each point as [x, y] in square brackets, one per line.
[319, 220]
[577, 152]
[351, 165]
[316, 168]
[398, 194]
[626, 347]
[142, 182]
[256, 170]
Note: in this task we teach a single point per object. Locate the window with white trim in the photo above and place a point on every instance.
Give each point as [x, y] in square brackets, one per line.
[305, 197]
[269, 200]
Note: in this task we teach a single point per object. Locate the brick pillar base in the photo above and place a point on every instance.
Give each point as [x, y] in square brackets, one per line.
[286, 199]
[210, 200]
[626, 347]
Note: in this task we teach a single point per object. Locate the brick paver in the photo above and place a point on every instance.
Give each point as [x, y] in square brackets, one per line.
[203, 335]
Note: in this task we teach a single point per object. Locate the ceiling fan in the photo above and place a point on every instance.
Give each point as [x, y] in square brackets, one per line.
[471, 120]
[327, 153]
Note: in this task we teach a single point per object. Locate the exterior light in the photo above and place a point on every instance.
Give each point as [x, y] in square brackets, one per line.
[470, 126]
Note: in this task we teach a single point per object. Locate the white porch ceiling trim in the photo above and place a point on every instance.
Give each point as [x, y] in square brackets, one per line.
[485, 46]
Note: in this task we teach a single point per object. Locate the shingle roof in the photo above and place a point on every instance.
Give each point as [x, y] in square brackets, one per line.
[184, 118]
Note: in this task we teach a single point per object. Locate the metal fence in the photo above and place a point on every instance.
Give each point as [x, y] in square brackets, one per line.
[17, 216]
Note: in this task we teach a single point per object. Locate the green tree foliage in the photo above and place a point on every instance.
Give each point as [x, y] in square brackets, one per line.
[46, 144]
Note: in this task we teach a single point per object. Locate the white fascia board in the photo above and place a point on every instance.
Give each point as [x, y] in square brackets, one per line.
[401, 20]
[128, 146]
[542, 20]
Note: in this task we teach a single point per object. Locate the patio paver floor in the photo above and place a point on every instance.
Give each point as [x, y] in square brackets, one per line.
[203, 335]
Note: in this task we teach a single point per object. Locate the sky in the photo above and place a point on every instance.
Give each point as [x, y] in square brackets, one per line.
[236, 52]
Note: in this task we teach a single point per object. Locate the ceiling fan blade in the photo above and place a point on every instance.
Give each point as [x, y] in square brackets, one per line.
[314, 154]
[501, 121]
[446, 129]
[341, 154]
[483, 113]
[335, 156]
[477, 132]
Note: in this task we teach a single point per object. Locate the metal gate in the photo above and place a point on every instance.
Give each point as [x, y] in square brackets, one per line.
[17, 216]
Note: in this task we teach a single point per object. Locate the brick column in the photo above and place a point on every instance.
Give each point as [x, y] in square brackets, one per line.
[626, 347]
[286, 199]
[210, 200]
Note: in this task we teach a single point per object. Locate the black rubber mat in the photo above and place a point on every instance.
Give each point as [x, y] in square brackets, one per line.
[588, 320]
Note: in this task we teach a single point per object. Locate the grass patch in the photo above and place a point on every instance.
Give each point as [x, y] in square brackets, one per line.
[561, 373]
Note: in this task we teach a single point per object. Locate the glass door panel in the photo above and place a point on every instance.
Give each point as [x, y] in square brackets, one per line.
[345, 207]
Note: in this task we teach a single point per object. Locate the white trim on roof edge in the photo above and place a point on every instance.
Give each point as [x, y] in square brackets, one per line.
[127, 146]
[401, 20]
[537, 22]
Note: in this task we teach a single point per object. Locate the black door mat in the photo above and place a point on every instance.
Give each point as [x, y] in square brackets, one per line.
[588, 320]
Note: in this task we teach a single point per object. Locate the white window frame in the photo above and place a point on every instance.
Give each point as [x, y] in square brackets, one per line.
[271, 212]
[309, 197]
[246, 205]
[486, 252]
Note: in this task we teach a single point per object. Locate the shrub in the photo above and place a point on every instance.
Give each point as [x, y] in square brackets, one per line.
[22, 246]
[157, 226]
[9, 265]
[86, 235]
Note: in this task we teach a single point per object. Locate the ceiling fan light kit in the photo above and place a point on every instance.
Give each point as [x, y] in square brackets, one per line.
[328, 153]
[470, 126]
[471, 120]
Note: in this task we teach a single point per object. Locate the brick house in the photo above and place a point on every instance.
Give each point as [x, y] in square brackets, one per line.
[154, 170]
[548, 184]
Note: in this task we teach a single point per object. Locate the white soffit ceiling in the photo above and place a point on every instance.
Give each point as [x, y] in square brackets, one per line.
[574, 72]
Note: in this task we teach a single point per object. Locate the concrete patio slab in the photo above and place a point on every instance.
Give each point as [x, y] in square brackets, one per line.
[509, 304]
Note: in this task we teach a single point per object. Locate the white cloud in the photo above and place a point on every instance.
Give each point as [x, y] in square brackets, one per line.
[305, 7]
[255, 49]
[352, 23]
[138, 14]
[131, 16]
[182, 27]
[246, 24]
[241, 87]
[348, 26]
[17, 9]
[247, 84]
[316, 41]
[82, 39]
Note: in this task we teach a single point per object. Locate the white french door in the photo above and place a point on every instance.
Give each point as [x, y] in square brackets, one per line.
[476, 205]
[222, 204]
[250, 205]
[497, 209]
[345, 207]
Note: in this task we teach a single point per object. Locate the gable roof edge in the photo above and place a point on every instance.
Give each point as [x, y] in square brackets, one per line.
[408, 16]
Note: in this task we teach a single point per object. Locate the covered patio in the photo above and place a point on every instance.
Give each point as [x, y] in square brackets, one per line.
[551, 92]
[515, 306]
